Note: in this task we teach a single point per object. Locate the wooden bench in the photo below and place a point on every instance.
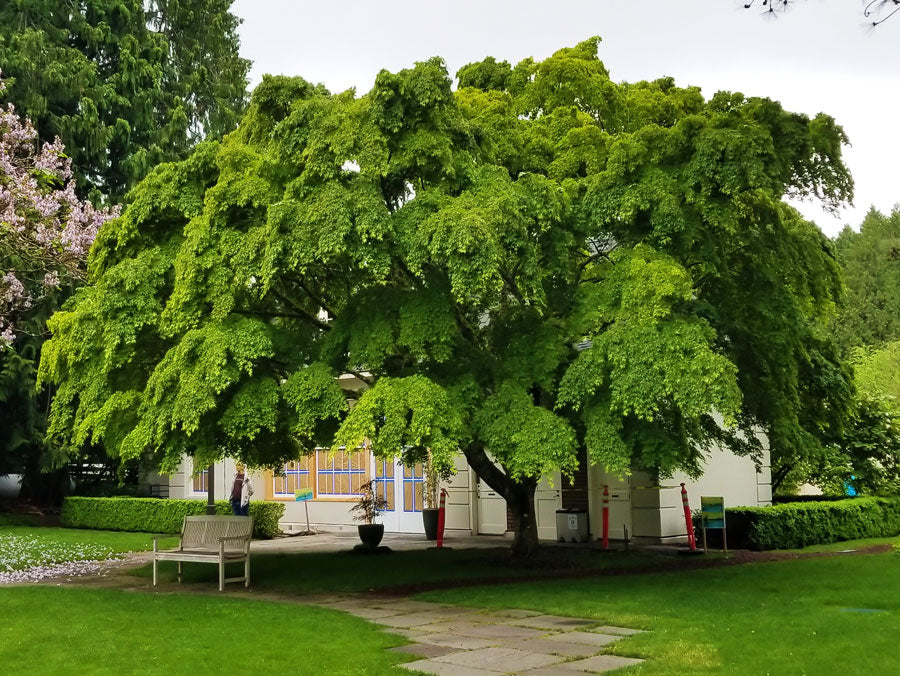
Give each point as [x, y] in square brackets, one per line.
[211, 539]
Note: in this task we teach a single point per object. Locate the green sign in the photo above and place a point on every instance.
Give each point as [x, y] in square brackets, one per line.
[713, 512]
[303, 494]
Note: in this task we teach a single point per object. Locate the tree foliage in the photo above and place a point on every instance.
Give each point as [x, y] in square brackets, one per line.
[125, 84]
[539, 260]
[870, 259]
[45, 233]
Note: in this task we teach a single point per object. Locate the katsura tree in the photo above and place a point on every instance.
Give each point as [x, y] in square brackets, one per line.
[540, 261]
[45, 234]
[125, 84]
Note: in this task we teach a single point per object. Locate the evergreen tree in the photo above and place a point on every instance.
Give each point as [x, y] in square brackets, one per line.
[125, 84]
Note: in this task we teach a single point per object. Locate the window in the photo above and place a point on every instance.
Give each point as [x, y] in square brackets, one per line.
[384, 481]
[341, 475]
[201, 481]
[413, 488]
[296, 476]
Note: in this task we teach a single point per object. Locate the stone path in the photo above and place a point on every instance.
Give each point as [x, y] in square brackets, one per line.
[456, 641]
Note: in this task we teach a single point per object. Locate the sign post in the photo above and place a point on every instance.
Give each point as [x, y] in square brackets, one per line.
[712, 510]
[304, 495]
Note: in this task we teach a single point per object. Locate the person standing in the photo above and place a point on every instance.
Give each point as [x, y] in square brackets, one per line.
[241, 490]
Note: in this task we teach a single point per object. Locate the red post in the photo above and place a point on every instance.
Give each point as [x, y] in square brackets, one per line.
[605, 516]
[688, 521]
[441, 512]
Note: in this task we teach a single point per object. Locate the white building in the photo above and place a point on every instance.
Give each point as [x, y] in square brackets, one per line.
[645, 509]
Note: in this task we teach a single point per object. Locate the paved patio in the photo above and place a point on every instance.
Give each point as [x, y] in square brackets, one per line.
[457, 641]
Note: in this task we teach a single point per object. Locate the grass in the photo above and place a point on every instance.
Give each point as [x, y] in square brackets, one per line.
[313, 572]
[25, 545]
[788, 617]
[90, 631]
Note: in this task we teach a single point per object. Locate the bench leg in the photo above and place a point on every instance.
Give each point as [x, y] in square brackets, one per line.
[247, 572]
[179, 572]
[154, 571]
[221, 575]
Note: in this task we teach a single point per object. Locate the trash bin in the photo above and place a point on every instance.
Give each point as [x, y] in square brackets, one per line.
[571, 525]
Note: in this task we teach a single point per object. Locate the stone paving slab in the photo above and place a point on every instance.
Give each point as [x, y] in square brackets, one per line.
[374, 613]
[425, 650]
[413, 620]
[515, 612]
[411, 634]
[552, 670]
[503, 659]
[618, 631]
[499, 631]
[584, 637]
[401, 606]
[459, 642]
[444, 669]
[557, 647]
[452, 626]
[550, 622]
[601, 663]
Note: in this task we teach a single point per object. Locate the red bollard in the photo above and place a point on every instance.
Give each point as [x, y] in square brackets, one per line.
[441, 512]
[605, 516]
[688, 521]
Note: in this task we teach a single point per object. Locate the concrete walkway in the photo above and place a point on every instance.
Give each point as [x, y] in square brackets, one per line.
[458, 641]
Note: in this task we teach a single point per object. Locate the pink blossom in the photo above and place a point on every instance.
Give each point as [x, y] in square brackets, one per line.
[44, 226]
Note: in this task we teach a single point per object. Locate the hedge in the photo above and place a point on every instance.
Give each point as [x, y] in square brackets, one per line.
[158, 515]
[800, 524]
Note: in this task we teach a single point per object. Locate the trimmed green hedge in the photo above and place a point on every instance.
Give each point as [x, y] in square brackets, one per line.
[158, 515]
[800, 524]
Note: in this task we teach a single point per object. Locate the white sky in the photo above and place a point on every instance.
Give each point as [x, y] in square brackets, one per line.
[818, 57]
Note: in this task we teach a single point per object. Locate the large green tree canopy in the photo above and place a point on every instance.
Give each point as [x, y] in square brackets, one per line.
[125, 84]
[538, 260]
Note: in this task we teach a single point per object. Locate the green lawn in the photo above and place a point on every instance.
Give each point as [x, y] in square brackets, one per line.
[788, 617]
[312, 572]
[89, 631]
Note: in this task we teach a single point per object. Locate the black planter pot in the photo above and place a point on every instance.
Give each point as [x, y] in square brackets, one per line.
[430, 519]
[371, 534]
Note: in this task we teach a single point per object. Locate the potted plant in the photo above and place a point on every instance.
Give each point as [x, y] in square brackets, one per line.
[434, 473]
[369, 505]
[431, 489]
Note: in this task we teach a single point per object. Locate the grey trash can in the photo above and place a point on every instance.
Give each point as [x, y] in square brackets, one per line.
[571, 525]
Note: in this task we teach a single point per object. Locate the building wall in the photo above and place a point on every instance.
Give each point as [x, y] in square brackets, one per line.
[332, 514]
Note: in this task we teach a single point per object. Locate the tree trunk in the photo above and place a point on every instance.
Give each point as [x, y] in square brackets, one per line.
[519, 496]
[525, 543]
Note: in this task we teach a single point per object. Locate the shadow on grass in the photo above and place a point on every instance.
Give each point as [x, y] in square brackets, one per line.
[405, 572]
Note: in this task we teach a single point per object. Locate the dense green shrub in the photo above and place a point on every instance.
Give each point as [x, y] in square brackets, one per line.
[799, 524]
[158, 515]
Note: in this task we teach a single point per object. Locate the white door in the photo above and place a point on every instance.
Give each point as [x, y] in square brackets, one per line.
[619, 503]
[491, 511]
[410, 497]
[547, 500]
[402, 489]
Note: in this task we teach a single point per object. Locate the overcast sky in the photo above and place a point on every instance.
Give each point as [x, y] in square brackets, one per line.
[818, 57]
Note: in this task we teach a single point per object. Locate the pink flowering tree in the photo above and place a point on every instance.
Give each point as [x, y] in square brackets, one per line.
[45, 230]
